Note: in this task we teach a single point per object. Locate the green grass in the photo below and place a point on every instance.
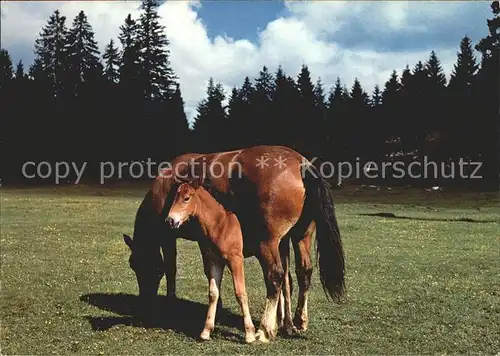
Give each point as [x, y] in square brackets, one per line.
[427, 283]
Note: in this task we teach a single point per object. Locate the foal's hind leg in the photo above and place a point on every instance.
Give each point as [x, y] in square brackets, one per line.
[214, 269]
[236, 266]
[303, 270]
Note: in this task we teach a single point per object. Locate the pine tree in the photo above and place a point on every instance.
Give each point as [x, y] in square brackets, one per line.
[173, 123]
[240, 115]
[376, 100]
[409, 106]
[390, 126]
[391, 90]
[336, 117]
[157, 77]
[83, 54]
[465, 70]
[308, 118]
[486, 128]
[129, 66]
[319, 135]
[209, 125]
[461, 101]
[20, 75]
[436, 108]
[435, 74]
[6, 71]
[358, 97]
[233, 103]
[111, 58]
[51, 53]
[285, 126]
[359, 128]
[261, 107]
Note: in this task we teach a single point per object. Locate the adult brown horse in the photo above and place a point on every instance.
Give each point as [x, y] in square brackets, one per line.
[277, 195]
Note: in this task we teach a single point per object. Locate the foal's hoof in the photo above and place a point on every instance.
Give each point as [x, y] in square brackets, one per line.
[205, 336]
[250, 338]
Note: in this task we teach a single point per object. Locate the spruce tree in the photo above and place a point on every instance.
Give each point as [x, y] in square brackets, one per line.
[437, 103]
[129, 66]
[209, 126]
[51, 53]
[336, 117]
[390, 127]
[111, 59]
[20, 75]
[359, 134]
[285, 101]
[261, 107]
[83, 54]
[376, 99]
[308, 118]
[461, 104]
[156, 75]
[466, 67]
[6, 71]
[240, 115]
[486, 137]
[435, 74]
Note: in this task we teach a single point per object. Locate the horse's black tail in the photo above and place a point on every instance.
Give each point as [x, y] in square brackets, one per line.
[329, 250]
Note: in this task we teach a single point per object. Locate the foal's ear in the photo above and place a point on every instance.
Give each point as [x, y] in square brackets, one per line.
[128, 240]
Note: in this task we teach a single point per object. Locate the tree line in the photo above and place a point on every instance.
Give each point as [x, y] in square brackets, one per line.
[76, 104]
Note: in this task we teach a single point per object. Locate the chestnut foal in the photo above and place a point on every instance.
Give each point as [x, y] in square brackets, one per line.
[221, 245]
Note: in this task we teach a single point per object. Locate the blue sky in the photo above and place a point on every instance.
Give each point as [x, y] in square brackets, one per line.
[232, 39]
[239, 19]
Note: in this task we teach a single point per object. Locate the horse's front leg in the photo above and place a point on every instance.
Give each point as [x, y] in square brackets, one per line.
[214, 269]
[169, 249]
[236, 266]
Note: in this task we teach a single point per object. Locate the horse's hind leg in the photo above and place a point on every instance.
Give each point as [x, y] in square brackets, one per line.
[270, 261]
[285, 302]
[303, 270]
[214, 269]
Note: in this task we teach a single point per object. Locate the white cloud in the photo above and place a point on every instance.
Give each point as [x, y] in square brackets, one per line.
[306, 36]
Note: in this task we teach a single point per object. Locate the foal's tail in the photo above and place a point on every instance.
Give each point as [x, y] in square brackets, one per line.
[329, 250]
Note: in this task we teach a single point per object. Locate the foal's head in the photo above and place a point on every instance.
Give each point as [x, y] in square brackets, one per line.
[184, 204]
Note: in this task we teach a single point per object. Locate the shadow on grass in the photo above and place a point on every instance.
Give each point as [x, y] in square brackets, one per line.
[181, 316]
[394, 216]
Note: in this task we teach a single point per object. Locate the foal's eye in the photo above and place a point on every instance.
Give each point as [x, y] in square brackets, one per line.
[186, 199]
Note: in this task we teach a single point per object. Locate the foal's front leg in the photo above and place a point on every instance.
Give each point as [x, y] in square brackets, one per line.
[214, 269]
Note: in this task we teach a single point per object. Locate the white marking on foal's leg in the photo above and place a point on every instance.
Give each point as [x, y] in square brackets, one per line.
[216, 271]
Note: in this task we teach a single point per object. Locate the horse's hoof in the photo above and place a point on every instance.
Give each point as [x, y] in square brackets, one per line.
[290, 330]
[261, 336]
[300, 324]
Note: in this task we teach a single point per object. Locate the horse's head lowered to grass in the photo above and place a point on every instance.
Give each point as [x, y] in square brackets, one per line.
[147, 263]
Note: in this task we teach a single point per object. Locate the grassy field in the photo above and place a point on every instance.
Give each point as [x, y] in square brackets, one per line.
[422, 277]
